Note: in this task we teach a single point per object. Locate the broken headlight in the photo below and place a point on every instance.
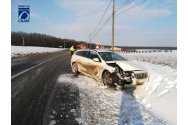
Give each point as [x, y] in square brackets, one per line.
[132, 74]
[117, 69]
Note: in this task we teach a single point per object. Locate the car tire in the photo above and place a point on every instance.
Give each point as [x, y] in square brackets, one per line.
[75, 68]
[107, 78]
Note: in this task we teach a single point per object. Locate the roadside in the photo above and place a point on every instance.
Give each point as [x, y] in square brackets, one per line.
[20, 51]
[105, 105]
[159, 95]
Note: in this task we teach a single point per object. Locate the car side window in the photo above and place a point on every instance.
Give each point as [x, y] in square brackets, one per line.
[84, 53]
[78, 53]
[94, 55]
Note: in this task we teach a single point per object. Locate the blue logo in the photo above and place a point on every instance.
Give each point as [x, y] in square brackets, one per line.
[23, 13]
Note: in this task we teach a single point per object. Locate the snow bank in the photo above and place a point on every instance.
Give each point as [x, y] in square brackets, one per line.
[21, 50]
[103, 105]
[160, 93]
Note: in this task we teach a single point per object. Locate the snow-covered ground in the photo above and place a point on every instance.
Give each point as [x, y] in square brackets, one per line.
[160, 93]
[25, 50]
[162, 58]
[109, 106]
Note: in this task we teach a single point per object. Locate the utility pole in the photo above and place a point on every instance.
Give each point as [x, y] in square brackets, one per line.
[22, 38]
[113, 26]
[64, 44]
[90, 41]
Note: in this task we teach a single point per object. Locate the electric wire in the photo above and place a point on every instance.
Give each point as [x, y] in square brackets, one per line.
[104, 14]
[117, 14]
[109, 39]
[131, 7]
[101, 27]
[109, 19]
[102, 17]
[123, 5]
[87, 39]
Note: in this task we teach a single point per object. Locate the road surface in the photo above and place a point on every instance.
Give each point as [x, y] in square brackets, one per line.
[35, 96]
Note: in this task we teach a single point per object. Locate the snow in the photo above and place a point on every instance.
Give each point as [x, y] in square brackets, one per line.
[25, 50]
[163, 58]
[160, 93]
[104, 105]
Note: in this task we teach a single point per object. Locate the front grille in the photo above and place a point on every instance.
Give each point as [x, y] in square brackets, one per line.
[141, 75]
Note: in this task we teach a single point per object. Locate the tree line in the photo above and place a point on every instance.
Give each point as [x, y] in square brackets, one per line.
[43, 40]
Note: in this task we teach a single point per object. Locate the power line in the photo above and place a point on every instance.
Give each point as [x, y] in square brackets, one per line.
[118, 14]
[101, 27]
[87, 39]
[109, 34]
[102, 17]
[110, 17]
[131, 7]
[123, 5]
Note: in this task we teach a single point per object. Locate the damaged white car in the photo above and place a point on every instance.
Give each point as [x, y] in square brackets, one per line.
[108, 67]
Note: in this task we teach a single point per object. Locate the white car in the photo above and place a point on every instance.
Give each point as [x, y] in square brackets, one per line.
[108, 67]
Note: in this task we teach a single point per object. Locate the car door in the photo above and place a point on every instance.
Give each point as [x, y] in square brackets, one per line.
[76, 58]
[92, 66]
[83, 61]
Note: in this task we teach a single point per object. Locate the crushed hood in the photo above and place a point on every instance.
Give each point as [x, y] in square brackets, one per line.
[128, 65]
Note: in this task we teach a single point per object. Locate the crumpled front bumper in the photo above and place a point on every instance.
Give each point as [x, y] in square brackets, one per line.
[136, 81]
[139, 81]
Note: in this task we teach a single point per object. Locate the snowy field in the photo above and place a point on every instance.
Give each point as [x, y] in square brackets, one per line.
[162, 58]
[25, 50]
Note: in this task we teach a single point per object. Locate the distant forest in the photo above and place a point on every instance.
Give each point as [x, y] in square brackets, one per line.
[43, 40]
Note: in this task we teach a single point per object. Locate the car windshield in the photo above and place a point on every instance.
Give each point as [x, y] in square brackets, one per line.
[110, 56]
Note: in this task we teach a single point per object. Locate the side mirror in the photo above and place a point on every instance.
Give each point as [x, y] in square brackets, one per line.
[96, 60]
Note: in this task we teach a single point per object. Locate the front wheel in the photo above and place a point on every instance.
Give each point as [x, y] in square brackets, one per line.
[107, 78]
[75, 68]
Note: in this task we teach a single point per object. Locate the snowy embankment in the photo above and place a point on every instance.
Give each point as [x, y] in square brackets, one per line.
[160, 93]
[26, 50]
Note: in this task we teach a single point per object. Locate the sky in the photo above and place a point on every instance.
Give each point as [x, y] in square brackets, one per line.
[151, 23]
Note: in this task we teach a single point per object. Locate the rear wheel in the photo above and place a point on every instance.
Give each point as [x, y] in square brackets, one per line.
[107, 78]
[75, 68]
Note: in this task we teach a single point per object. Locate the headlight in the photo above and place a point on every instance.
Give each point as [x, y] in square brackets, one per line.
[117, 68]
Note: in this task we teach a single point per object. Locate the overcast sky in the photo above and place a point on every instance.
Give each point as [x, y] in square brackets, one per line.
[152, 23]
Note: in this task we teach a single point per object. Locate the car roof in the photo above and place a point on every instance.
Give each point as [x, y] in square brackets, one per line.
[97, 50]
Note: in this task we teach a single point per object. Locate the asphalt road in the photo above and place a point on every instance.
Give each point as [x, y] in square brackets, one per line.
[36, 96]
